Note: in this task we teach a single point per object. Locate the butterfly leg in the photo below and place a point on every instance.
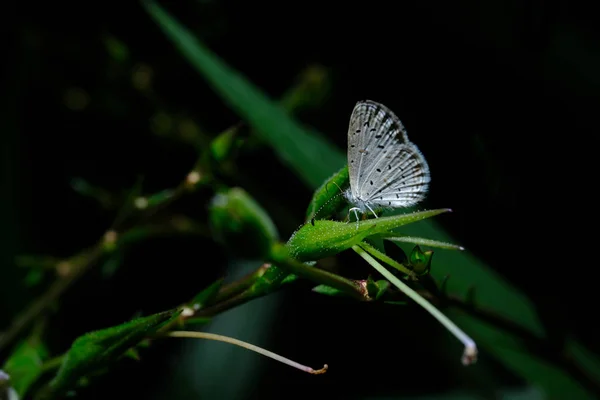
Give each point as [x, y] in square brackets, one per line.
[371, 210]
[355, 214]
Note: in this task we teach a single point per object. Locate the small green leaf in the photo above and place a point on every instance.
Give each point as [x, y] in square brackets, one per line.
[377, 289]
[134, 235]
[420, 261]
[160, 198]
[382, 286]
[224, 146]
[289, 279]
[238, 221]
[270, 280]
[204, 298]
[329, 291]
[133, 353]
[424, 242]
[95, 350]
[327, 238]
[372, 288]
[25, 364]
[385, 258]
[328, 199]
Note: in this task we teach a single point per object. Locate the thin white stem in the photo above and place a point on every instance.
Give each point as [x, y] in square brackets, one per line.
[470, 351]
[248, 346]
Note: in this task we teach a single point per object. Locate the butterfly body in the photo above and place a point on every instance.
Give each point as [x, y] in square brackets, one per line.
[385, 168]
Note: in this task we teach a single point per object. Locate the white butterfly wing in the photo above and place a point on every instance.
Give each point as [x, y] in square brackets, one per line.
[385, 168]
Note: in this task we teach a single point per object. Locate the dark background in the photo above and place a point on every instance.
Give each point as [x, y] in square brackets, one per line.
[501, 97]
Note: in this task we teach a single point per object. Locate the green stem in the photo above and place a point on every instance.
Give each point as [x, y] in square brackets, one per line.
[228, 304]
[248, 346]
[385, 258]
[232, 289]
[280, 257]
[470, 351]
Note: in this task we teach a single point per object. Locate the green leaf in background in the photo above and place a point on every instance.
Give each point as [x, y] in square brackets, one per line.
[309, 155]
[315, 160]
[238, 221]
[25, 364]
[95, 350]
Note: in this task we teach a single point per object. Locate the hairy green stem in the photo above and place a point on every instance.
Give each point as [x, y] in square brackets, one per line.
[232, 289]
[281, 258]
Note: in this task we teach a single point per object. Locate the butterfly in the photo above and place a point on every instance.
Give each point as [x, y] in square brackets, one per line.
[386, 169]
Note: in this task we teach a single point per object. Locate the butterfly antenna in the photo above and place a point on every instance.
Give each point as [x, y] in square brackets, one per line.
[312, 220]
[338, 186]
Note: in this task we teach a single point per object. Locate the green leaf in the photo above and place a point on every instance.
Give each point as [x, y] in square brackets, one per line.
[424, 242]
[383, 286]
[372, 288]
[327, 238]
[204, 298]
[420, 261]
[240, 222]
[377, 289]
[281, 257]
[385, 258]
[329, 291]
[328, 199]
[159, 198]
[224, 146]
[95, 350]
[25, 364]
[269, 281]
[296, 146]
